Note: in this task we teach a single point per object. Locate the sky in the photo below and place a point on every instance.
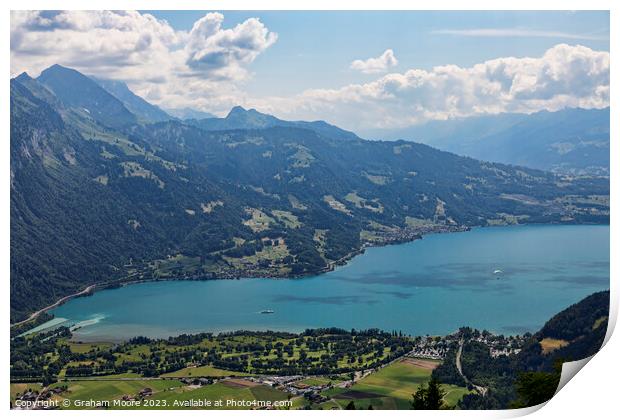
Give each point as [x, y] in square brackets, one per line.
[359, 70]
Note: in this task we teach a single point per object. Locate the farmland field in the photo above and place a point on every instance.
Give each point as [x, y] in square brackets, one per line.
[221, 391]
[392, 387]
[105, 390]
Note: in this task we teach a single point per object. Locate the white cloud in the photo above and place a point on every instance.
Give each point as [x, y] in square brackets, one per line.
[205, 68]
[169, 67]
[518, 32]
[564, 76]
[225, 51]
[376, 65]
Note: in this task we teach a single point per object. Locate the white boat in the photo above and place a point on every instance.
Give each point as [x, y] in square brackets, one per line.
[267, 311]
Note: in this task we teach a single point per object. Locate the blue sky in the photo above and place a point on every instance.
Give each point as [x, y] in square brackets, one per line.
[360, 70]
[314, 49]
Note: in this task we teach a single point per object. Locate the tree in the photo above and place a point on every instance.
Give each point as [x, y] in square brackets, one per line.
[535, 388]
[350, 406]
[429, 398]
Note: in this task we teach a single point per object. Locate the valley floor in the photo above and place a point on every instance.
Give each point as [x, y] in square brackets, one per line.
[389, 387]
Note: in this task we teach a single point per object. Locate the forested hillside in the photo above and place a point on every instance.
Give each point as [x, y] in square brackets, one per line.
[531, 376]
[100, 195]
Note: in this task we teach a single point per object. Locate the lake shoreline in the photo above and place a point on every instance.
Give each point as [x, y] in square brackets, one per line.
[331, 266]
[91, 289]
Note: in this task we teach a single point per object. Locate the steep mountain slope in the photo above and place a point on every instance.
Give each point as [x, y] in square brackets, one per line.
[138, 106]
[90, 203]
[75, 90]
[569, 141]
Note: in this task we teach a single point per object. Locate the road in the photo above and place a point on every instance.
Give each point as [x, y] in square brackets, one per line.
[59, 302]
[481, 389]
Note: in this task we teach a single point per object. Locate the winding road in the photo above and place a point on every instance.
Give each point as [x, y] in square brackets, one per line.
[481, 389]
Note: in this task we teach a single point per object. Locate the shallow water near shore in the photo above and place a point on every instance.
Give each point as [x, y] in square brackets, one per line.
[504, 279]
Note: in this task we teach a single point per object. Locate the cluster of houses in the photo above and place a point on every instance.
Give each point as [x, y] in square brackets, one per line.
[436, 347]
[142, 394]
[34, 396]
[432, 347]
[501, 346]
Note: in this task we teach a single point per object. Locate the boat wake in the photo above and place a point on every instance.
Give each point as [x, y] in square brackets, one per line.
[96, 318]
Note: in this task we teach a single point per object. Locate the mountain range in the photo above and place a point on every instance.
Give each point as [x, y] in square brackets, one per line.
[105, 188]
[572, 141]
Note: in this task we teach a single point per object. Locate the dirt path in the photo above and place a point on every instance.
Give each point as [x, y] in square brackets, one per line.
[481, 389]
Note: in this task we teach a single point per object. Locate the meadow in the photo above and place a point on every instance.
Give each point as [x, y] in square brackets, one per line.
[392, 387]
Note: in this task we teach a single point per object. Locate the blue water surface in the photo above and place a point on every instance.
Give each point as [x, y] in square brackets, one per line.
[504, 279]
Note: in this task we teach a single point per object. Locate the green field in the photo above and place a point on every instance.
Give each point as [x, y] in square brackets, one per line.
[316, 380]
[104, 390]
[391, 388]
[199, 371]
[220, 391]
[81, 348]
[167, 393]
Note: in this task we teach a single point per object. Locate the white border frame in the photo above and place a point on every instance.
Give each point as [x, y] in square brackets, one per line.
[591, 395]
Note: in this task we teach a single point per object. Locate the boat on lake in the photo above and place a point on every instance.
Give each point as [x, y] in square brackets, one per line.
[267, 311]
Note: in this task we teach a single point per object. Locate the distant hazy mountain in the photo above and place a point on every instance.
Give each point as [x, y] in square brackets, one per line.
[82, 93]
[189, 113]
[571, 140]
[138, 106]
[99, 195]
[241, 119]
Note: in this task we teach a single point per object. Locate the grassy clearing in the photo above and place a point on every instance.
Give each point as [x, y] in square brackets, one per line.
[210, 206]
[175, 264]
[414, 222]
[273, 254]
[377, 179]
[363, 203]
[599, 322]
[302, 158]
[320, 235]
[102, 179]
[336, 205]
[259, 220]
[296, 203]
[551, 344]
[134, 169]
[289, 219]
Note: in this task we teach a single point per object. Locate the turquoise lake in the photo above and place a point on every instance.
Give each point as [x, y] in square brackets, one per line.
[429, 286]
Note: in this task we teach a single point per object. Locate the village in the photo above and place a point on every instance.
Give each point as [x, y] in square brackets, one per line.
[313, 390]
